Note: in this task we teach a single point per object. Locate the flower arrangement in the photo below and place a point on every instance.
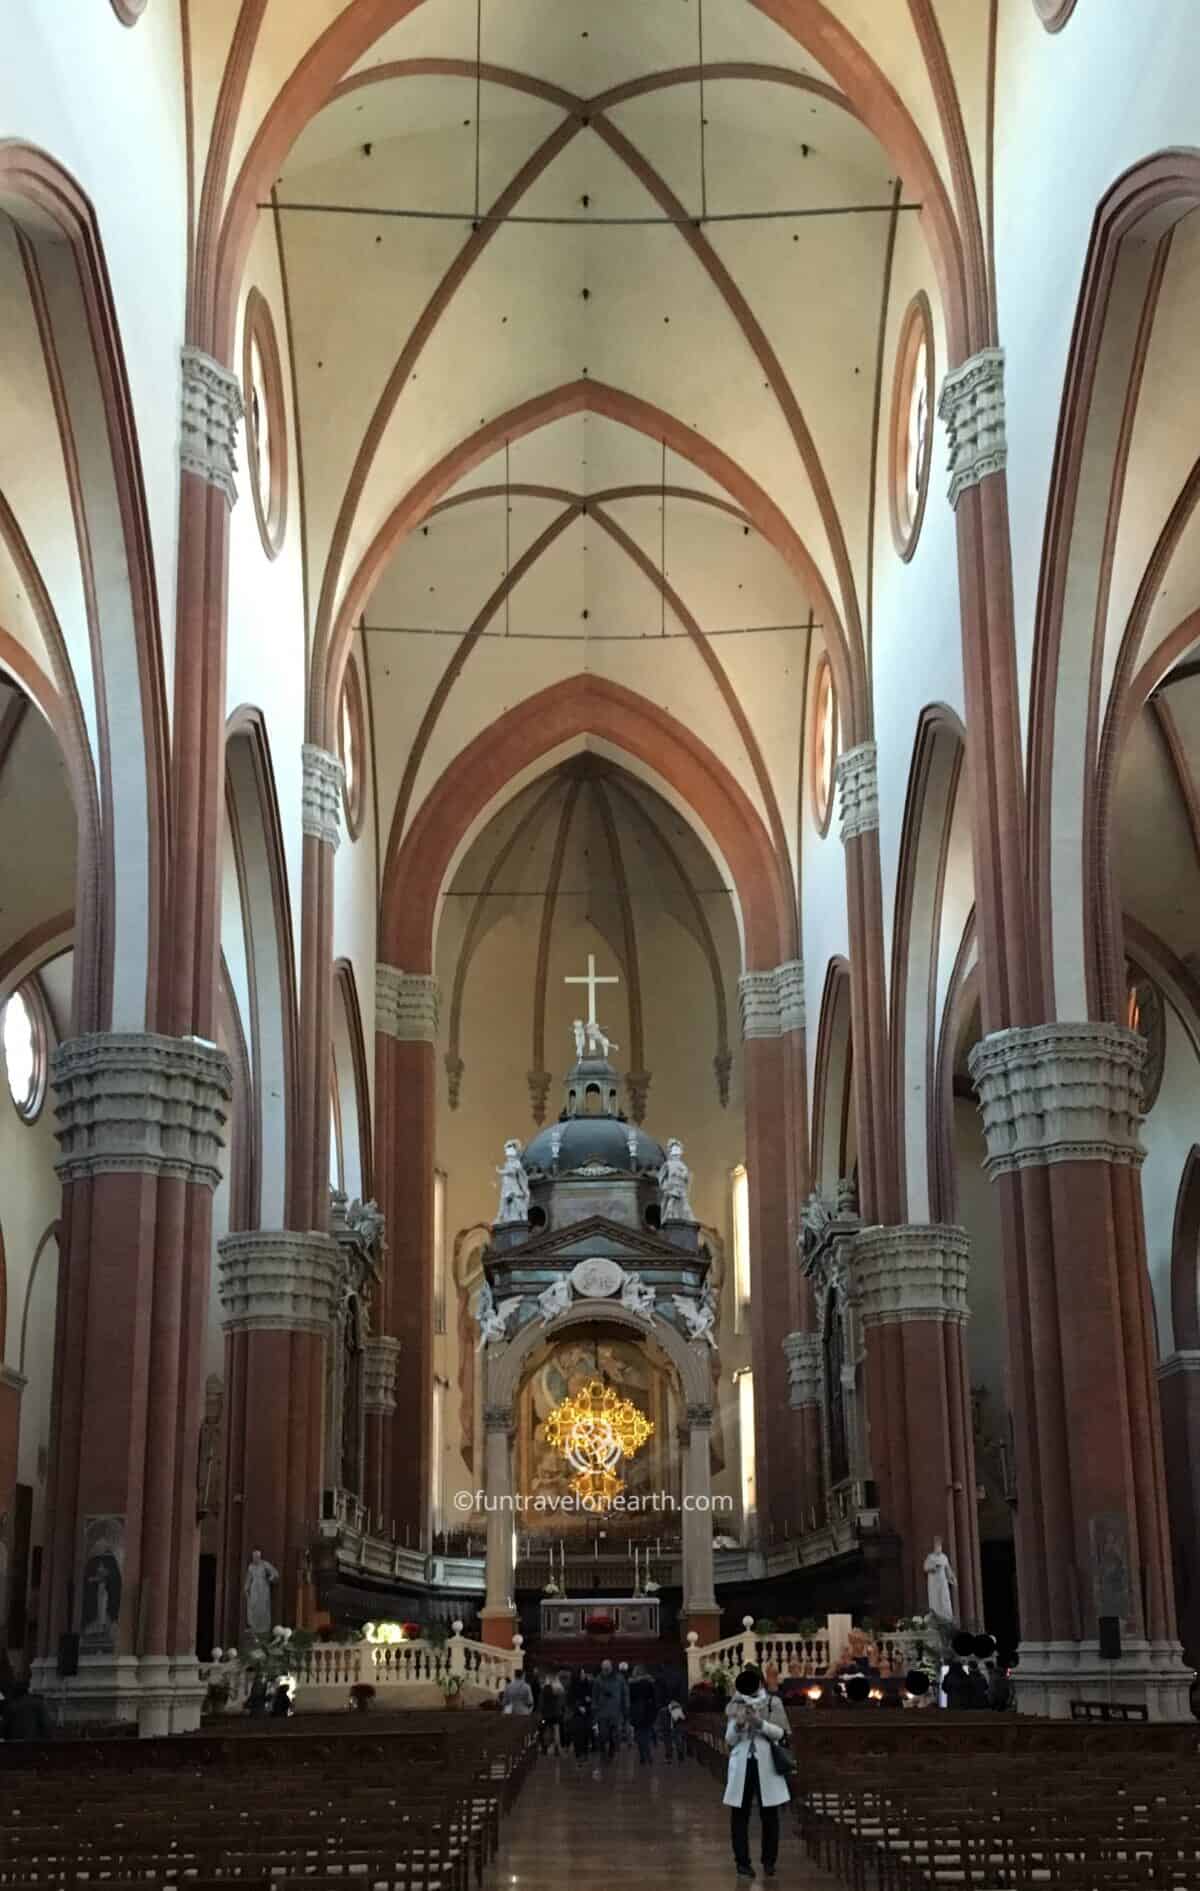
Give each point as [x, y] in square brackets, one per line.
[273, 1654]
[451, 1686]
[551, 1588]
[720, 1677]
[650, 1587]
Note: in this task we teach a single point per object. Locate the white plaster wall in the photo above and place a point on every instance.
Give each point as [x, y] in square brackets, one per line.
[355, 898]
[824, 925]
[1168, 1134]
[99, 98]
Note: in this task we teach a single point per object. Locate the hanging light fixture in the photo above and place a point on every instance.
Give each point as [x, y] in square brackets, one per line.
[594, 1430]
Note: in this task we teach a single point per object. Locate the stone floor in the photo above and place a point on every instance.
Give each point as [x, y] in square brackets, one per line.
[614, 1826]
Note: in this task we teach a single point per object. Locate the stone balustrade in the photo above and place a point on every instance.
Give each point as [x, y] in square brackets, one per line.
[404, 1674]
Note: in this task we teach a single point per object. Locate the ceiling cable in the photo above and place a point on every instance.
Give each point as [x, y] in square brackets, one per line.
[703, 165]
[478, 95]
[591, 222]
[662, 545]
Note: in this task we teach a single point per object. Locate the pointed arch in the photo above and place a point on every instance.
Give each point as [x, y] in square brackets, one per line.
[582, 706]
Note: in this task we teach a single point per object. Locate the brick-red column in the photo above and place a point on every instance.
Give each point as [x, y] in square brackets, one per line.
[911, 1285]
[1179, 1394]
[404, 1164]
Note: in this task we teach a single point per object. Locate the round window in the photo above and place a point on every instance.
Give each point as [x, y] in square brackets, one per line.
[266, 426]
[23, 1030]
[823, 743]
[912, 425]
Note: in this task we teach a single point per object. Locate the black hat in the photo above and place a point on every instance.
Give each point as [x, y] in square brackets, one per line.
[985, 1646]
[917, 1681]
[858, 1687]
[964, 1645]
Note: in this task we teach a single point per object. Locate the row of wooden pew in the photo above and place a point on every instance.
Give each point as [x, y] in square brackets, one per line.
[1087, 1814]
[415, 1806]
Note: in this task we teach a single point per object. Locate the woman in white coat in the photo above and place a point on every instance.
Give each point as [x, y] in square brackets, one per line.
[754, 1722]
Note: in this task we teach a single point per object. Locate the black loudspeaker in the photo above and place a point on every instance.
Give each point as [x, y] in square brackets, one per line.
[68, 1656]
[1110, 1638]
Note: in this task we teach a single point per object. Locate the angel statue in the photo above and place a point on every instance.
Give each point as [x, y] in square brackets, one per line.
[638, 1295]
[699, 1316]
[599, 1044]
[493, 1321]
[554, 1299]
[514, 1186]
[580, 1030]
[674, 1180]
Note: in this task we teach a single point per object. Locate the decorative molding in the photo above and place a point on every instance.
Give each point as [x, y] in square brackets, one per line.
[772, 1002]
[136, 1102]
[212, 408]
[858, 791]
[321, 803]
[722, 1071]
[1059, 1093]
[278, 1281]
[805, 1353]
[1178, 1365]
[381, 1361]
[972, 406]
[407, 1005]
[698, 1415]
[916, 1272]
[13, 1380]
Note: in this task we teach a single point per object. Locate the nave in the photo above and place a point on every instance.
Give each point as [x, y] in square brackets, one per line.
[616, 1826]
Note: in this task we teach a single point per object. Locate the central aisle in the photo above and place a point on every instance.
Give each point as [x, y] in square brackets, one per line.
[604, 1827]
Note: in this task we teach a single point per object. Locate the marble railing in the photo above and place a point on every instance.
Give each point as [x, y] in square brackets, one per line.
[817, 1653]
[324, 1673]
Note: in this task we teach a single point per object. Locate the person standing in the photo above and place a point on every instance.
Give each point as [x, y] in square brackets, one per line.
[581, 1715]
[642, 1709]
[754, 1724]
[552, 1706]
[610, 1703]
[517, 1697]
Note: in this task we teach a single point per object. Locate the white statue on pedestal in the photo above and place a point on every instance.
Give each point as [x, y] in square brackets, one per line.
[638, 1295]
[493, 1322]
[577, 1026]
[941, 1581]
[674, 1180]
[698, 1316]
[260, 1578]
[554, 1299]
[514, 1186]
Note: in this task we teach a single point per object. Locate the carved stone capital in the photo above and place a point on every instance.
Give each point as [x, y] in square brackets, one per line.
[381, 1359]
[805, 1355]
[698, 1416]
[407, 1005]
[211, 410]
[498, 1418]
[132, 1101]
[321, 800]
[1060, 1093]
[277, 1281]
[858, 791]
[972, 406]
[918, 1272]
[454, 1076]
[772, 1002]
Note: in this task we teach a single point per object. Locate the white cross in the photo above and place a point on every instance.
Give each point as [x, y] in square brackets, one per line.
[591, 981]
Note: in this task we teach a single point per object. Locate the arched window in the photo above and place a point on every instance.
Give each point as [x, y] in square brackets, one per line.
[823, 743]
[25, 1037]
[352, 749]
[739, 1191]
[266, 422]
[912, 425]
[745, 1386]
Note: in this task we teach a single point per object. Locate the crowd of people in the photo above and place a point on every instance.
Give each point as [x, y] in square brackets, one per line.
[598, 1713]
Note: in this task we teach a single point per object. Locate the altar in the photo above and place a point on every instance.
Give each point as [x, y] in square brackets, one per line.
[633, 1618]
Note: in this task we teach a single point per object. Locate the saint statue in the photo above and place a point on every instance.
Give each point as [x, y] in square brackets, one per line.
[599, 1044]
[554, 1299]
[260, 1578]
[577, 1026]
[638, 1295]
[674, 1180]
[493, 1322]
[514, 1186]
[699, 1316]
[941, 1581]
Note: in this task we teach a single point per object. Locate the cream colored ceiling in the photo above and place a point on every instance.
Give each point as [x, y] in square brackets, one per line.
[587, 845]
